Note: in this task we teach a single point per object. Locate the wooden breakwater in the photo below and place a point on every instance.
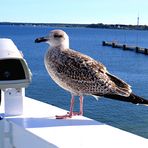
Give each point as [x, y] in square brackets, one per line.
[126, 47]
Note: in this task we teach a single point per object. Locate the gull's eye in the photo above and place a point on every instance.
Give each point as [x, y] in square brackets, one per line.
[57, 36]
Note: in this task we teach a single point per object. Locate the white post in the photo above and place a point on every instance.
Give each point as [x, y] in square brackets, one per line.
[14, 101]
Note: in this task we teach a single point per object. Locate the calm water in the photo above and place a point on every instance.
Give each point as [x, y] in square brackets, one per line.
[128, 65]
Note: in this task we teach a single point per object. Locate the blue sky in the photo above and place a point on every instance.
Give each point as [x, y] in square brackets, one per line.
[74, 11]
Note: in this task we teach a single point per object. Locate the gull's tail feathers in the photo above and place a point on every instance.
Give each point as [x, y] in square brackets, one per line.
[131, 98]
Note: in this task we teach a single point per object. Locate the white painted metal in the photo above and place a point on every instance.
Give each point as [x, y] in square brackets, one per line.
[12, 87]
[37, 127]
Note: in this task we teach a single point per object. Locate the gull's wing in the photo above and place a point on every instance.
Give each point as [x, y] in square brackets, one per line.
[88, 76]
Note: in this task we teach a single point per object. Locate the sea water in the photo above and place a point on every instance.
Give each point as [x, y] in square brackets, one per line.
[128, 65]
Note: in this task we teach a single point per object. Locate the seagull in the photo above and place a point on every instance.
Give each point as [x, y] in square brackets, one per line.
[81, 75]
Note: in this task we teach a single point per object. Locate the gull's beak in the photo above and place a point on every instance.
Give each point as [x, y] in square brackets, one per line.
[41, 39]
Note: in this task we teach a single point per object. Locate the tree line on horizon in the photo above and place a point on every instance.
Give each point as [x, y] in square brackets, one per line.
[98, 25]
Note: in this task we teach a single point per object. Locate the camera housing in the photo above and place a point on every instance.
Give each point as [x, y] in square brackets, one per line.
[14, 71]
[15, 75]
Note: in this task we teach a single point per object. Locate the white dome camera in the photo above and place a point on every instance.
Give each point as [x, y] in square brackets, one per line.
[15, 75]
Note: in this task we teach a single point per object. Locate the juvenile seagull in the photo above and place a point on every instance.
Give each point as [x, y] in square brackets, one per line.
[81, 75]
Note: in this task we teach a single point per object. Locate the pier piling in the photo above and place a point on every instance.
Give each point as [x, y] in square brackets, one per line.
[126, 47]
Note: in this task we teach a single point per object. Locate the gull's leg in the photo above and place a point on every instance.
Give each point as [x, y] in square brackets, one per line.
[81, 106]
[69, 114]
[71, 106]
[80, 113]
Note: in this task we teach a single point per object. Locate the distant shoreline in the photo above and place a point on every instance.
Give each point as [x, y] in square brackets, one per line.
[99, 25]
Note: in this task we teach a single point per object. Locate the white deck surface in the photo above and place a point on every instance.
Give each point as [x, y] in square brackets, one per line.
[78, 132]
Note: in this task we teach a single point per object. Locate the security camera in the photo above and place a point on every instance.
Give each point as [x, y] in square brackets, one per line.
[15, 75]
[14, 71]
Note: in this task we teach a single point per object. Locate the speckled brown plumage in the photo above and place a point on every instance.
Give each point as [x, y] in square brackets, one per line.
[80, 74]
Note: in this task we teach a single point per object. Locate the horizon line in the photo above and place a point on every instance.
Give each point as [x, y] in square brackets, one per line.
[71, 23]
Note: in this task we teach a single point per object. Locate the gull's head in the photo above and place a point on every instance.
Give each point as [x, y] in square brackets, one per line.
[56, 38]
